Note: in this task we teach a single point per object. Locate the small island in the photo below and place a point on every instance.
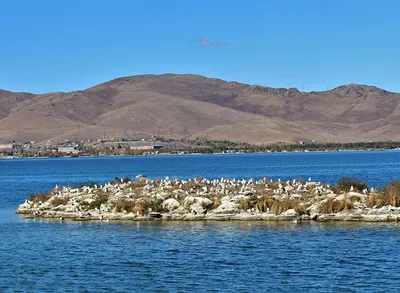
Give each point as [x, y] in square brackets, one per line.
[218, 199]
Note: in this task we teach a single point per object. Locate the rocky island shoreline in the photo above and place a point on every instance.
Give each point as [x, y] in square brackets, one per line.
[219, 199]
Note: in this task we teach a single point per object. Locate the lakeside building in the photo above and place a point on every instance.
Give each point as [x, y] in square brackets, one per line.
[6, 147]
[146, 147]
[68, 150]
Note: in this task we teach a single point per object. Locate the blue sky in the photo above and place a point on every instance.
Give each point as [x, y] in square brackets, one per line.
[58, 45]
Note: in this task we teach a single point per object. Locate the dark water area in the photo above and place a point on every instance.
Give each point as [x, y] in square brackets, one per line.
[52, 256]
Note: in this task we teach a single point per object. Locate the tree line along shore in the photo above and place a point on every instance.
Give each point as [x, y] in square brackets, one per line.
[217, 199]
[198, 146]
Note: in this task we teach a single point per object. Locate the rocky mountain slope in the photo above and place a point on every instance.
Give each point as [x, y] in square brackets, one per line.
[190, 106]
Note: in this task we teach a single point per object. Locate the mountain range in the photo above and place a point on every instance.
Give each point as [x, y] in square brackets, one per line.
[189, 106]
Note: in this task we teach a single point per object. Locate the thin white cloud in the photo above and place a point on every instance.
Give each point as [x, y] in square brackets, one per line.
[205, 42]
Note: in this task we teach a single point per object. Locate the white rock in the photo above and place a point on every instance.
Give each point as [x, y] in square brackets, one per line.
[197, 208]
[189, 200]
[289, 213]
[171, 204]
[227, 208]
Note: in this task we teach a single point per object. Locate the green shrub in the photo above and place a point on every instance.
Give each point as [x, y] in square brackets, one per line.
[345, 184]
[87, 183]
[101, 198]
[156, 206]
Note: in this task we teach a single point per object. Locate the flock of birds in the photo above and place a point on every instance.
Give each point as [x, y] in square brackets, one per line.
[203, 187]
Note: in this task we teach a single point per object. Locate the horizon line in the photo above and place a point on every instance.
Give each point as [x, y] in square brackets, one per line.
[209, 77]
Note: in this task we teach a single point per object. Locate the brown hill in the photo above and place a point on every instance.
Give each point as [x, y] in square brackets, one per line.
[189, 106]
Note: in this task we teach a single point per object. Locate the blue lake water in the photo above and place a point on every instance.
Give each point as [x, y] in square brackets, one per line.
[49, 256]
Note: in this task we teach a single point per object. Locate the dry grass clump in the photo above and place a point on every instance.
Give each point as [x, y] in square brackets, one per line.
[345, 184]
[191, 184]
[275, 184]
[261, 190]
[248, 203]
[123, 204]
[277, 207]
[216, 203]
[280, 206]
[138, 184]
[142, 207]
[389, 195]
[234, 188]
[300, 208]
[375, 199]
[139, 208]
[40, 196]
[264, 204]
[336, 206]
[59, 201]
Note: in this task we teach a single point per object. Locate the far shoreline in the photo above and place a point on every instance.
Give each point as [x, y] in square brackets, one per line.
[201, 154]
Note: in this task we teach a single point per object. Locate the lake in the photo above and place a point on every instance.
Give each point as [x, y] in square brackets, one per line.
[52, 256]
